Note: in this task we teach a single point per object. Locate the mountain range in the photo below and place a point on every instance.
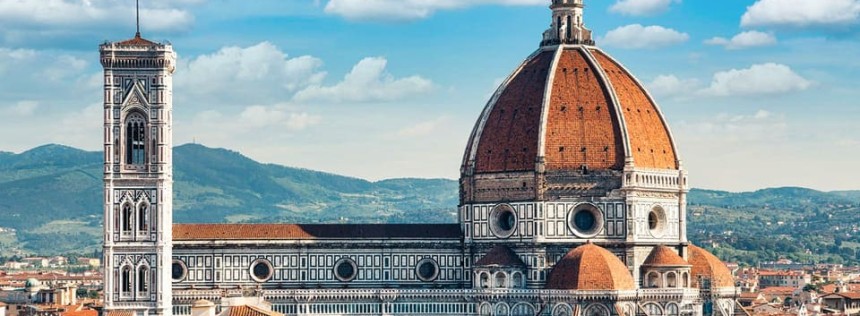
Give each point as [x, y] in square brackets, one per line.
[50, 203]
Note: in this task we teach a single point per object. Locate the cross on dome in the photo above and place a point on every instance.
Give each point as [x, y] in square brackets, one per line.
[567, 25]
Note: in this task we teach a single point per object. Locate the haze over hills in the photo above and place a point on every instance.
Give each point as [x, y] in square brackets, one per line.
[50, 196]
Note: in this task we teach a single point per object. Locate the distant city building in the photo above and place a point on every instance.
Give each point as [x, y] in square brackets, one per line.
[785, 264]
[795, 279]
[572, 202]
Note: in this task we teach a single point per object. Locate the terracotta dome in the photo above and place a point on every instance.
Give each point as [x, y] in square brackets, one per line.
[590, 267]
[569, 107]
[706, 265]
[664, 256]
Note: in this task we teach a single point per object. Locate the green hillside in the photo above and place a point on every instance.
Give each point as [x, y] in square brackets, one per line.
[51, 197]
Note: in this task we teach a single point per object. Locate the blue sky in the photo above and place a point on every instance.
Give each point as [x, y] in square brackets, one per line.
[759, 93]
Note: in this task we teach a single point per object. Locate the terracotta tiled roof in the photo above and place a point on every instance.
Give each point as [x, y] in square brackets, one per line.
[119, 313]
[707, 265]
[513, 127]
[190, 232]
[590, 267]
[778, 290]
[578, 115]
[246, 310]
[664, 256]
[500, 255]
[137, 41]
[649, 136]
[581, 116]
[79, 310]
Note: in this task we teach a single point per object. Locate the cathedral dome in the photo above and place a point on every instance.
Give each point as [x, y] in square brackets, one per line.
[590, 267]
[663, 256]
[708, 266]
[569, 111]
[570, 107]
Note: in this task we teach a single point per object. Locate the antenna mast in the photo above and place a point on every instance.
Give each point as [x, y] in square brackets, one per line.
[137, 15]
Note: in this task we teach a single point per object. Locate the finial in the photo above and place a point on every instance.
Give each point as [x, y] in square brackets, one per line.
[137, 16]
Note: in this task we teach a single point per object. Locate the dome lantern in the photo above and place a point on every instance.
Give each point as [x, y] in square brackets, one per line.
[567, 25]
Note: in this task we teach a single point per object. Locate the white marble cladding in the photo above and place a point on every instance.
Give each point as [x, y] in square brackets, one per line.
[545, 221]
[669, 302]
[662, 179]
[667, 210]
[315, 266]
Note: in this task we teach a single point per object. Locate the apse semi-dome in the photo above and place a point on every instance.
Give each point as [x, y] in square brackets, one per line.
[708, 269]
[590, 267]
[568, 108]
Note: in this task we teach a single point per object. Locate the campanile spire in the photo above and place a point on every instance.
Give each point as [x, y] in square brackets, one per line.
[567, 25]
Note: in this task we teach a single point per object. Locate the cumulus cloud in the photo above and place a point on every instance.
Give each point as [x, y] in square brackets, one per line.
[422, 128]
[408, 9]
[743, 40]
[641, 7]
[802, 13]
[262, 116]
[262, 73]
[671, 86]
[367, 81]
[767, 78]
[65, 16]
[636, 36]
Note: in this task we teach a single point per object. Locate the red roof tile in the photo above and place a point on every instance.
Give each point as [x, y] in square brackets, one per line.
[137, 41]
[590, 267]
[649, 136]
[707, 265]
[509, 141]
[500, 255]
[246, 310]
[189, 232]
[664, 256]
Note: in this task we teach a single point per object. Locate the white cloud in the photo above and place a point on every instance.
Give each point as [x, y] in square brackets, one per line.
[636, 36]
[366, 82]
[46, 16]
[767, 78]
[671, 86]
[24, 108]
[422, 128]
[234, 75]
[408, 9]
[641, 7]
[744, 40]
[260, 116]
[801, 13]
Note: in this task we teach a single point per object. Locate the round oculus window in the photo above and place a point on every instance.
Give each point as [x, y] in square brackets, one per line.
[427, 270]
[345, 270]
[178, 270]
[261, 270]
[585, 220]
[503, 221]
[657, 221]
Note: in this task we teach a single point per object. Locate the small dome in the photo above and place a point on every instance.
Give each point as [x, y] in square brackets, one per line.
[32, 282]
[706, 265]
[590, 267]
[500, 256]
[664, 256]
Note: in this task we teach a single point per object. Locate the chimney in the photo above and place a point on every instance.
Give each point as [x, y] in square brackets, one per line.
[203, 308]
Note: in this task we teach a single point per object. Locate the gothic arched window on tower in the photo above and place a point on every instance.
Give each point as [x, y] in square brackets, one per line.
[142, 280]
[125, 281]
[143, 219]
[127, 216]
[135, 139]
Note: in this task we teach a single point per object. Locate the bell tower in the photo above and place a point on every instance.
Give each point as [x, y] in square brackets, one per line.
[138, 175]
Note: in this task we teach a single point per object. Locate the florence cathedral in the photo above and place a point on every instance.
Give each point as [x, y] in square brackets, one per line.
[572, 203]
